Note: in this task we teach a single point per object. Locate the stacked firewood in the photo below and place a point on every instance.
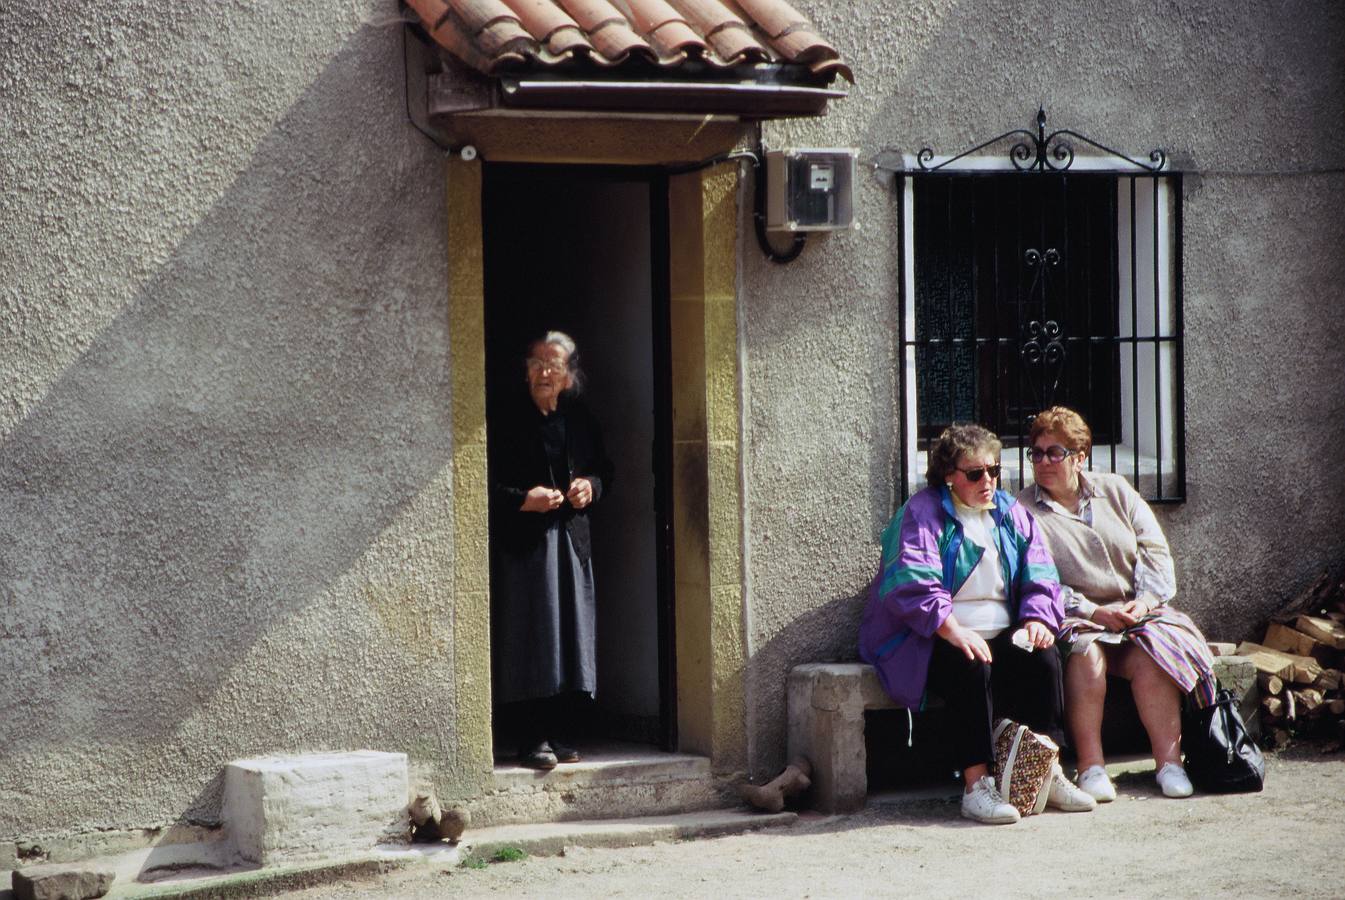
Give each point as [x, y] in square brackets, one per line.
[1299, 664]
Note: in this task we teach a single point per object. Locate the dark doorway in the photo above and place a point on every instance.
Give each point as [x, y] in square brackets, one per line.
[584, 249]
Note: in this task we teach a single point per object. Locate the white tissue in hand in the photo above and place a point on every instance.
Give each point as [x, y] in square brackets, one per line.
[1021, 640]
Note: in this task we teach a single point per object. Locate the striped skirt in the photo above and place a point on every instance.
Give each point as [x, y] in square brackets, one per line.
[1168, 636]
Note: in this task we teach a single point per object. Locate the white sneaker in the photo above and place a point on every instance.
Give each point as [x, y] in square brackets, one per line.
[1095, 782]
[1065, 796]
[1172, 779]
[985, 804]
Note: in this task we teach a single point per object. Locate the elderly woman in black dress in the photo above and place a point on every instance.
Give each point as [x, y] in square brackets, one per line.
[548, 468]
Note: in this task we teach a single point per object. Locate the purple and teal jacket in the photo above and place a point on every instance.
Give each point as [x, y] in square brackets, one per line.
[925, 562]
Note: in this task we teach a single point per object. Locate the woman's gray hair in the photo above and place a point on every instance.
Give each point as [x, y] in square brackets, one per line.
[955, 441]
[565, 342]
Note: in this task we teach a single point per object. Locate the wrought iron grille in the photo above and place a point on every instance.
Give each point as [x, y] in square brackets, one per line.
[1044, 283]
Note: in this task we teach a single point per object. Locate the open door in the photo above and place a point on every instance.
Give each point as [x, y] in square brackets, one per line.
[584, 249]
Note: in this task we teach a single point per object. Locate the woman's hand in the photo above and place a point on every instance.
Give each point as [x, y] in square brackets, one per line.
[1120, 618]
[1038, 634]
[580, 493]
[969, 642]
[542, 499]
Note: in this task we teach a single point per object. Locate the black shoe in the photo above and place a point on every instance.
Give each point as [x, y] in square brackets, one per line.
[563, 753]
[539, 757]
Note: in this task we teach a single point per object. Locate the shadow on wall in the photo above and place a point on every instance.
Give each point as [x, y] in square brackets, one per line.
[232, 442]
[827, 633]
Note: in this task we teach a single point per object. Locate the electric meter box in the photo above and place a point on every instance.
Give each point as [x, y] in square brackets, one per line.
[810, 189]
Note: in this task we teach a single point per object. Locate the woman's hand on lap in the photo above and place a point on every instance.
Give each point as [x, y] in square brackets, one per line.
[1113, 619]
[964, 639]
[1038, 634]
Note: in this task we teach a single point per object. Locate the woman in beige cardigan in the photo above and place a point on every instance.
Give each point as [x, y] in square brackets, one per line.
[1117, 575]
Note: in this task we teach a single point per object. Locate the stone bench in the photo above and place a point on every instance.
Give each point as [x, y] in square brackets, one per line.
[827, 702]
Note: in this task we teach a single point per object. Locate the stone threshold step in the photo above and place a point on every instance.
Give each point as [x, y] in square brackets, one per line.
[552, 838]
[607, 762]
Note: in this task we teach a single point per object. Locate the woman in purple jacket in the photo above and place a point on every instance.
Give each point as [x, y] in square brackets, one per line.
[966, 604]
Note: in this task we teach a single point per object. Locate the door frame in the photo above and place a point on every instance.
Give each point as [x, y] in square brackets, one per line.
[706, 664]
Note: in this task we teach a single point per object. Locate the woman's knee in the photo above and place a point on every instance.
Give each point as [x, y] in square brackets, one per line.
[1088, 667]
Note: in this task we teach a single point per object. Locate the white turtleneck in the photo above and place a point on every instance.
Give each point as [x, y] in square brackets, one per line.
[980, 603]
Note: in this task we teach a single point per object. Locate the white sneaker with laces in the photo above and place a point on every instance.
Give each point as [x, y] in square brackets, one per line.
[985, 804]
[1096, 783]
[1172, 779]
[1067, 797]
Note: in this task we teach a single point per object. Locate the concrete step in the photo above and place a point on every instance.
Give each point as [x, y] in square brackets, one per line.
[613, 780]
[552, 838]
[548, 839]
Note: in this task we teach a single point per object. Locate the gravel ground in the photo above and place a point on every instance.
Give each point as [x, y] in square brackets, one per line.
[1284, 842]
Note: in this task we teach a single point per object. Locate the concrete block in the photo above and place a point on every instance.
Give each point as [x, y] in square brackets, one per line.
[1238, 674]
[75, 882]
[826, 705]
[291, 808]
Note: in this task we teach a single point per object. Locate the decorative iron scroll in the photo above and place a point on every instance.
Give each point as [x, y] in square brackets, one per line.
[1042, 152]
[1042, 350]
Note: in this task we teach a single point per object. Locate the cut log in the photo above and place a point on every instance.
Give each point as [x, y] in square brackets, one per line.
[1307, 700]
[1290, 640]
[1298, 669]
[1270, 684]
[1219, 648]
[1326, 631]
[1329, 680]
[1274, 706]
[1336, 707]
[1271, 662]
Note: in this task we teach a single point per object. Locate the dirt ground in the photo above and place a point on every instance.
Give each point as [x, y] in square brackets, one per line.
[1288, 841]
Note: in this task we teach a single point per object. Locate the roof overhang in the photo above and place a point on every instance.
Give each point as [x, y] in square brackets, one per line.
[745, 98]
[753, 59]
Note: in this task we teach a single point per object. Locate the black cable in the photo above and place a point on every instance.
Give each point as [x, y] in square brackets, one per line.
[406, 80]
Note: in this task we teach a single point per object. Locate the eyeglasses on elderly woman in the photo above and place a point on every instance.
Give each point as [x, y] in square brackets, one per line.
[1055, 453]
[977, 473]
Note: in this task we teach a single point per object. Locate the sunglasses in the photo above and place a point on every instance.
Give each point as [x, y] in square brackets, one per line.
[974, 475]
[1055, 453]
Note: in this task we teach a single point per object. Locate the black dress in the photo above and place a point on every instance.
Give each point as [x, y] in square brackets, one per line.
[543, 611]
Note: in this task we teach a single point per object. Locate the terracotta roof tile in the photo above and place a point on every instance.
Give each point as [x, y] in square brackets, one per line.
[490, 35]
[608, 30]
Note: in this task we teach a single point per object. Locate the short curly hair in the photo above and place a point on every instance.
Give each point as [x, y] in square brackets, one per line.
[1065, 422]
[955, 441]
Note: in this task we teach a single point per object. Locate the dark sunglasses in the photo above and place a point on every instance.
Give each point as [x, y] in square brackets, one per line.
[1055, 453]
[975, 474]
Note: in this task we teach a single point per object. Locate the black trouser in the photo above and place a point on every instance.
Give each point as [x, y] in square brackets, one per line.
[1018, 685]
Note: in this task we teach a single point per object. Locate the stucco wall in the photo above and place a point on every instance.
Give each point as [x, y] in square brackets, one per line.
[1248, 98]
[225, 503]
[226, 510]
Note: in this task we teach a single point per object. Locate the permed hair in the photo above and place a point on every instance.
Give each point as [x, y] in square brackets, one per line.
[955, 441]
[565, 342]
[1063, 421]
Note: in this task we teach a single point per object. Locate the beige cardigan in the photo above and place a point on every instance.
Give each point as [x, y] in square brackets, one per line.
[1100, 561]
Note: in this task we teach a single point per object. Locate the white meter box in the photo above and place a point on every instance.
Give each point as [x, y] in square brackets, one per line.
[810, 189]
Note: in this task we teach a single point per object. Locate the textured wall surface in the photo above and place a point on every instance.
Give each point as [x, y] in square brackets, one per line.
[225, 507]
[1250, 98]
[226, 510]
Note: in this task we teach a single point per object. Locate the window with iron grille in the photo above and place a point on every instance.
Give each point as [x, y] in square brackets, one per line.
[1056, 280]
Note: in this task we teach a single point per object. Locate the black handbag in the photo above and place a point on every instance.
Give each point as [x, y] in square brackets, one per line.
[1221, 757]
